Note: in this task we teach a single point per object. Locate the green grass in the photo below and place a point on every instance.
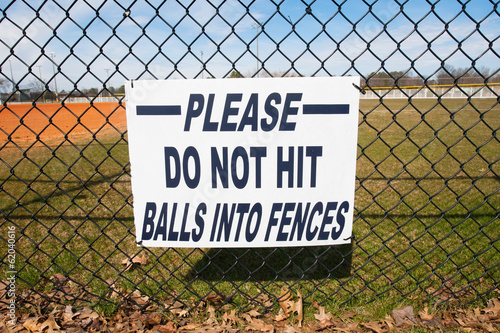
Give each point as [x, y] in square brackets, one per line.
[427, 203]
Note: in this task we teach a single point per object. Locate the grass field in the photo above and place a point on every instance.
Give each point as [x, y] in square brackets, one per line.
[427, 216]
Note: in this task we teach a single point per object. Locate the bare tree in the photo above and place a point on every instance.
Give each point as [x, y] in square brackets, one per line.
[4, 85]
[495, 76]
[37, 86]
[393, 79]
[450, 75]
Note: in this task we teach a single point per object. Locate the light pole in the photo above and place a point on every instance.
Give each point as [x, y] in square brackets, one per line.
[52, 56]
[107, 72]
[12, 77]
[41, 79]
[256, 27]
[202, 65]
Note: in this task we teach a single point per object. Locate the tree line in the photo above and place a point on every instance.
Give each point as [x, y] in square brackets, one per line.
[36, 90]
[448, 75]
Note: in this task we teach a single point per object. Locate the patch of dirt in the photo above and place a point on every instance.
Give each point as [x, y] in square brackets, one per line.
[25, 123]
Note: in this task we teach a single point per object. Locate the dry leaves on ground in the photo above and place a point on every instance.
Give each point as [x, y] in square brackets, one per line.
[215, 314]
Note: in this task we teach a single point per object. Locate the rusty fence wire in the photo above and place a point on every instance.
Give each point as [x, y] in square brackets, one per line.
[427, 186]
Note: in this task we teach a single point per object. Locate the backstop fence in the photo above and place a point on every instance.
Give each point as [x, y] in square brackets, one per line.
[427, 181]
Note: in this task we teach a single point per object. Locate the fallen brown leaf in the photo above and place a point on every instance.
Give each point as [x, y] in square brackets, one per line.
[264, 300]
[189, 327]
[129, 263]
[138, 298]
[58, 279]
[169, 327]
[493, 306]
[31, 324]
[281, 315]
[95, 326]
[299, 308]
[142, 260]
[284, 302]
[179, 312]
[88, 313]
[212, 317]
[322, 315]
[425, 315]
[67, 316]
[404, 316]
[351, 327]
[348, 315]
[254, 314]
[290, 329]
[284, 298]
[113, 289]
[230, 318]
[216, 298]
[260, 326]
[375, 326]
[4, 284]
[389, 321]
[449, 320]
[152, 319]
[13, 329]
[485, 326]
[288, 306]
[428, 319]
[50, 324]
[325, 323]
[176, 307]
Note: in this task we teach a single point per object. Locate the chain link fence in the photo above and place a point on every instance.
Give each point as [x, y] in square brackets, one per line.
[427, 186]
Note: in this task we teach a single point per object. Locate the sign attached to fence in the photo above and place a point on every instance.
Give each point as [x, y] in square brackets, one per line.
[243, 162]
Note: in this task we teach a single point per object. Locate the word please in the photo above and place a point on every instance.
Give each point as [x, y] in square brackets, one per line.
[234, 106]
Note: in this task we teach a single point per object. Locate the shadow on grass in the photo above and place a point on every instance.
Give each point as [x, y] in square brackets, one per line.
[265, 264]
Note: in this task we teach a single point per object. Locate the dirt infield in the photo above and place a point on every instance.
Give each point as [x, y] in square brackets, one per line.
[48, 122]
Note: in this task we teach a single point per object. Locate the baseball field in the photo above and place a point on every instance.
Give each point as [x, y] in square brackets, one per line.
[426, 215]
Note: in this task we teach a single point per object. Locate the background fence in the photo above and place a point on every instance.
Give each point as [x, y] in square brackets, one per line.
[427, 186]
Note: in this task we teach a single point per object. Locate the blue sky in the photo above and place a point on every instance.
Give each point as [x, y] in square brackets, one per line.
[91, 48]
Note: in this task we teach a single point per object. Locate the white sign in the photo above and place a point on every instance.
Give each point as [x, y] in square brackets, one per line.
[243, 162]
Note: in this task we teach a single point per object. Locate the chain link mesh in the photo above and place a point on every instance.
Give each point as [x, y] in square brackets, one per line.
[427, 186]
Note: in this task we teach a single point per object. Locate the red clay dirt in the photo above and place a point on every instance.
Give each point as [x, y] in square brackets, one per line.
[24, 123]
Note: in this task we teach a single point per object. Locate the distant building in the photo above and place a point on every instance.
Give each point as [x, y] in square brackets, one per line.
[23, 95]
